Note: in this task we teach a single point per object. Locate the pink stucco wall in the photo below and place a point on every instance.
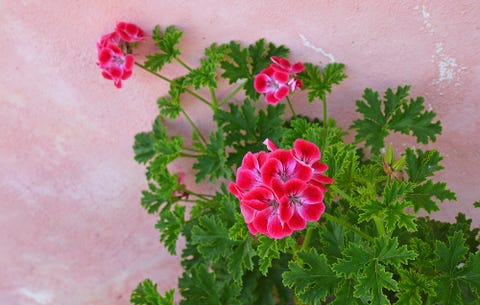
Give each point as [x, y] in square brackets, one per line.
[71, 227]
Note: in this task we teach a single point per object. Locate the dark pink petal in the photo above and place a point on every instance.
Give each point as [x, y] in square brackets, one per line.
[126, 74]
[251, 228]
[129, 32]
[256, 204]
[261, 83]
[235, 190]
[268, 71]
[319, 167]
[104, 55]
[311, 195]
[305, 151]
[271, 99]
[260, 222]
[297, 222]
[118, 83]
[129, 62]
[297, 68]
[311, 212]
[247, 179]
[280, 77]
[270, 145]
[116, 72]
[106, 75]
[285, 210]
[250, 161]
[276, 229]
[294, 187]
[278, 187]
[281, 62]
[248, 213]
[281, 92]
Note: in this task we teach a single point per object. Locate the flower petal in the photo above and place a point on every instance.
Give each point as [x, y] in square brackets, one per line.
[297, 222]
[305, 151]
[311, 212]
[276, 229]
[262, 83]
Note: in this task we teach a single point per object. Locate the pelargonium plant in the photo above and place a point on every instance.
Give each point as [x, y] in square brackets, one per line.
[299, 215]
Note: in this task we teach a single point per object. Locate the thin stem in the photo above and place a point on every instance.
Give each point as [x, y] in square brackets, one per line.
[183, 64]
[308, 236]
[342, 193]
[191, 149]
[214, 99]
[380, 226]
[228, 97]
[152, 72]
[194, 126]
[346, 225]
[192, 93]
[201, 196]
[185, 155]
[291, 107]
[324, 101]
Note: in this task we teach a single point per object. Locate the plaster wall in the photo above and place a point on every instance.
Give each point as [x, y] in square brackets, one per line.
[72, 230]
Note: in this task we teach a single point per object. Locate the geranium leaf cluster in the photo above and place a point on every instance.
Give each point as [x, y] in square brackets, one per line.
[367, 247]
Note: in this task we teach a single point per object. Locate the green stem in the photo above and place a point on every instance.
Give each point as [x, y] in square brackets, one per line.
[306, 241]
[192, 93]
[201, 196]
[214, 99]
[183, 64]
[185, 155]
[154, 73]
[194, 126]
[191, 149]
[380, 226]
[346, 225]
[228, 97]
[291, 107]
[324, 101]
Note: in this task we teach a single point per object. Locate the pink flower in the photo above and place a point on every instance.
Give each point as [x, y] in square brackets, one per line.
[276, 81]
[280, 191]
[114, 64]
[129, 32]
[283, 64]
[110, 38]
[273, 84]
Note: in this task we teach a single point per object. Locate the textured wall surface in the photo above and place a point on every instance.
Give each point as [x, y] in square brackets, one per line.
[71, 227]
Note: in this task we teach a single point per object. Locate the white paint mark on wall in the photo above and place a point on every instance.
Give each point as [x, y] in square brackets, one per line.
[448, 69]
[308, 44]
[427, 25]
[41, 297]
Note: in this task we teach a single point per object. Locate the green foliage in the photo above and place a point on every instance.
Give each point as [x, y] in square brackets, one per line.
[394, 113]
[212, 162]
[318, 82]
[369, 247]
[245, 63]
[312, 277]
[146, 294]
[246, 128]
[167, 42]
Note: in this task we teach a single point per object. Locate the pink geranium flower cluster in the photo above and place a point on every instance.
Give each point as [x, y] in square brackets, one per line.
[278, 80]
[114, 63]
[281, 190]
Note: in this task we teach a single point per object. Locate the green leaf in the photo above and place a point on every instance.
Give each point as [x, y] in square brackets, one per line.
[372, 283]
[311, 277]
[422, 196]
[206, 74]
[170, 226]
[269, 249]
[245, 63]
[166, 42]
[344, 294]
[422, 164]
[169, 107]
[143, 147]
[211, 238]
[146, 294]
[212, 162]
[412, 286]
[394, 113]
[160, 193]
[476, 204]
[459, 280]
[240, 258]
[318, 83]
[246, 129]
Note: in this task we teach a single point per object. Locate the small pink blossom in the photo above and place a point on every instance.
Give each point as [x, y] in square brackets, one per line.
[129, 32]
[107, 39]
[276, 81]
[284, 65]
[114, 64]
[273, 84]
